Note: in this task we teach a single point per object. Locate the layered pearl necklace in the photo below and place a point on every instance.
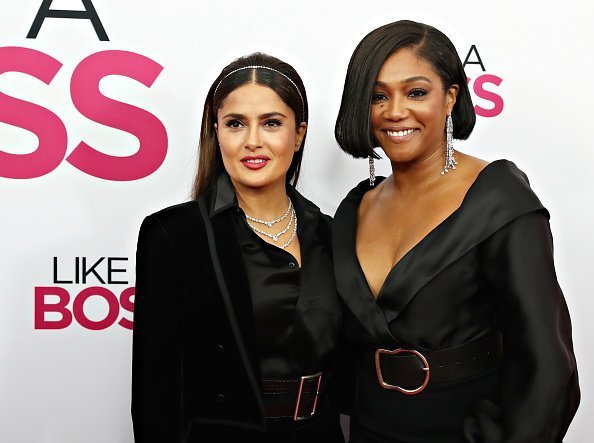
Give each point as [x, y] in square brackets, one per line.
[270, 223]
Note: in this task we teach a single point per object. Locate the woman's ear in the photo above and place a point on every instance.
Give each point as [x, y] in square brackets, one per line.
[301, 130]
[451, 97]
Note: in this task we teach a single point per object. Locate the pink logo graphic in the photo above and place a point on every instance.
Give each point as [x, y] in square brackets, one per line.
[76, 312]
[45, 124]
[478, 87]
[90, 102]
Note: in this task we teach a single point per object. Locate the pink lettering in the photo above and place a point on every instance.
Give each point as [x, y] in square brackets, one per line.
[94, 105]
[79, 313]
[494, 98]
[46, 125]
[41, 307]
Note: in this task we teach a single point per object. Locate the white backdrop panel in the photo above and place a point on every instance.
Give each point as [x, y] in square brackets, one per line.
[72, 384]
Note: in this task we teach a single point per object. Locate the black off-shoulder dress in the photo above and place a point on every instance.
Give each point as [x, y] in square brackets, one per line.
[488, 267]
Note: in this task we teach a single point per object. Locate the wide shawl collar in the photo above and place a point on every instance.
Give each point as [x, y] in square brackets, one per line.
[500, 194]
[225, 252]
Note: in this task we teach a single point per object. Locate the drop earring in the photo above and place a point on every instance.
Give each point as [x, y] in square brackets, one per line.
[371, 171]
[450, 161]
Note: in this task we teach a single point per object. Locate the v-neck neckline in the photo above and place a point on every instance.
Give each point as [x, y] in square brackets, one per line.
[431, 233]
[499, 194]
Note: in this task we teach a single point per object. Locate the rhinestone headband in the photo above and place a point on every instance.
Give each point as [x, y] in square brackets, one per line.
[270, 69]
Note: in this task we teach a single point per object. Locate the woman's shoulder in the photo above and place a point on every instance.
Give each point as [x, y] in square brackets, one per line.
[500, 174]
[176, 211]
[502, 190]
[179, 217]
[353, 198]
[310, 210]
[504, 176]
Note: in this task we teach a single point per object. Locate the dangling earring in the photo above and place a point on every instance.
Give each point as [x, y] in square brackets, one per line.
[450, 161]
[371, 171]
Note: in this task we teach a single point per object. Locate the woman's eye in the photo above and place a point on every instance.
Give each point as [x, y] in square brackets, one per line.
[417, 93]
[233, 124]
[273, 123]
[378, 96]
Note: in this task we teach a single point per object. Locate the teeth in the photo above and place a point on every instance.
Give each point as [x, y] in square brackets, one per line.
[255, 160]
[400, 133]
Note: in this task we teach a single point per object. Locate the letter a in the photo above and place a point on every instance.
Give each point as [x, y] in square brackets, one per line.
[88, 14]
[478, 58]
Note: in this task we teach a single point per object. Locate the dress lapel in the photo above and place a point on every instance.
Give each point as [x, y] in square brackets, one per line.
[500, 193]
[350, 280]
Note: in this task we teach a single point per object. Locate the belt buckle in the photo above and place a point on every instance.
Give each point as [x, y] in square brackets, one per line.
[296, 416]
[385, 385]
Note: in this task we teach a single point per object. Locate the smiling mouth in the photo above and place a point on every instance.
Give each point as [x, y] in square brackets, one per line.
[399, 133]
[255, 163]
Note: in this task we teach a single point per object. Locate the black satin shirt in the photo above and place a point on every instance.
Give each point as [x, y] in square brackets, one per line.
[296, 309]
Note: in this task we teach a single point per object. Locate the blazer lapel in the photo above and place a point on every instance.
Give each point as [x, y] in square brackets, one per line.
[234, 288]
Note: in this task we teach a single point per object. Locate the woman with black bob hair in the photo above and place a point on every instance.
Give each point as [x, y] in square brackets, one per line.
[459, 328]
[236, 315]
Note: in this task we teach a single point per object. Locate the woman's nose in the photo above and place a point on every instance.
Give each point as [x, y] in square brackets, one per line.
[254, 139]
[396, 109]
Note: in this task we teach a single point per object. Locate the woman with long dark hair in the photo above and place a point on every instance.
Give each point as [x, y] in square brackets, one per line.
[236, 315]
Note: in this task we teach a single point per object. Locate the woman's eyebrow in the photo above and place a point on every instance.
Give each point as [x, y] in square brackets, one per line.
[416, 78]
[262, 116]
[234, 115]
[273, 114]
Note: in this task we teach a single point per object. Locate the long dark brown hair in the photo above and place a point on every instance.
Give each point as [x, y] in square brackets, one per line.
[210, 162]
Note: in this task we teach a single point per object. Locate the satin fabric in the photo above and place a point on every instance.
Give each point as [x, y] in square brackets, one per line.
[297, 311]
[488, 266]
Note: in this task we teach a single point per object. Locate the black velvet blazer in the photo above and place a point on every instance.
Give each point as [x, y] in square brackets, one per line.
[195, 374]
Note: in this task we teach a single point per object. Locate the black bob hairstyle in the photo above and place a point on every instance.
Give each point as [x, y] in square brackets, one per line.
[353, 126]
[280, 77]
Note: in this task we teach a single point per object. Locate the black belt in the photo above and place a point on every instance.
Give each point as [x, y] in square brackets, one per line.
[295, 398]
[409, 371]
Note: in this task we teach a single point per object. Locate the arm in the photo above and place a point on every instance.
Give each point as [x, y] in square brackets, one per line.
[539, 390]
[156, 357]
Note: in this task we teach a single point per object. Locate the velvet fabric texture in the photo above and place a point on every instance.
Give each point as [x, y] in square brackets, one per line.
[488, 266]
[196, 368]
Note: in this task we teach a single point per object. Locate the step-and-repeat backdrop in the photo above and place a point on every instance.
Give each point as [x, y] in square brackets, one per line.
[100, 107]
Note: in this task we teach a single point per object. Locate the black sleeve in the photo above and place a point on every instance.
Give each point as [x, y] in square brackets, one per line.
[539, 391]
[156, 356]
[342, 387]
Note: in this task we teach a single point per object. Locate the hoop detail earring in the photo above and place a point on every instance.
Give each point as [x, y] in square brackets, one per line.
[371, 171]
[450, 161]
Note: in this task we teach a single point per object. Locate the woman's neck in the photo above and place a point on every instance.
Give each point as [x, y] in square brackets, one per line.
[410, 177]
[264, 203]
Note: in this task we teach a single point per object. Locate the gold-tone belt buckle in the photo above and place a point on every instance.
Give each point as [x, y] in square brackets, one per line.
[406, 391]
[296, 416]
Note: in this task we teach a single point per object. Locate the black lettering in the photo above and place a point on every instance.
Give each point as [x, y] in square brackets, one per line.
[77, 267]
[110, 270]
[88, 14]
[91, 270]
[56, 273]
[478, 60]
